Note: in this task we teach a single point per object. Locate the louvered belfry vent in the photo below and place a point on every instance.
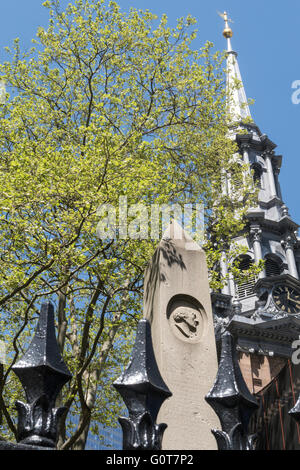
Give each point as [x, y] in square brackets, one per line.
[257, 174]
[272, 268]
[245, 288]
[237, 182]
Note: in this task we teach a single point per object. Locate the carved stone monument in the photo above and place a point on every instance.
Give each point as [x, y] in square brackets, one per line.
[177, 304]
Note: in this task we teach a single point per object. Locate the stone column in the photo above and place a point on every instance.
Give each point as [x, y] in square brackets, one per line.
[269, 165]
[256, 234]
[224, 271]
[178, 306]
[277, 184]
[288, 244]
[245, 149]
[232, 287]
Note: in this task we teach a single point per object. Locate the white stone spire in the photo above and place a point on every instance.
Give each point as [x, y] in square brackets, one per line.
[237, 100]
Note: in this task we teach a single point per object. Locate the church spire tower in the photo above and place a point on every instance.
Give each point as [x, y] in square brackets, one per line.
[260, 311]
[237, 99]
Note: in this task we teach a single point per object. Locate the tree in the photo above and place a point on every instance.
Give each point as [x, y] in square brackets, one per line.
[105, 104]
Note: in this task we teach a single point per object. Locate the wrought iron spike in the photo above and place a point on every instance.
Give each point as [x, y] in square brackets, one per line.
[231, 400]
[42, 373]
[143, 391]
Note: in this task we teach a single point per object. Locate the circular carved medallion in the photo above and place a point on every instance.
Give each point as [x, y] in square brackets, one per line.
[187, 319]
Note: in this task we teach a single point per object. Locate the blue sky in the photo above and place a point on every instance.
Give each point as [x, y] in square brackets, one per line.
[266, 37]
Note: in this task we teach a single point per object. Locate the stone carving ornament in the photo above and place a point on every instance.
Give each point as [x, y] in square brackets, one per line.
[187, 319]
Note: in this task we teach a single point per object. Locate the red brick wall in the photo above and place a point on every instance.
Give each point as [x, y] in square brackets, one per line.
[258, 370]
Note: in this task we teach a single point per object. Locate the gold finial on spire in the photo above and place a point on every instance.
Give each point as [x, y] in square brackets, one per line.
[227, 33]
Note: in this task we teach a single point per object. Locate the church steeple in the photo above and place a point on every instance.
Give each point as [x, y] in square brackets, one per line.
[268, 224]
[257, 310]
[237, 100]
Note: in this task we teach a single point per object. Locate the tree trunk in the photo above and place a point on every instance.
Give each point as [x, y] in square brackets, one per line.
[92, 380]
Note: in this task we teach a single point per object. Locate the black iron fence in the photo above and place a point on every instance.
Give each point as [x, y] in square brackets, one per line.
[43, 373]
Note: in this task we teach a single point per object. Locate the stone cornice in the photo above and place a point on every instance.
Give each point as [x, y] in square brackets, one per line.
[263, 144]
[287, 224]
[275, 201]
[255, 215]
[267, 144]
[271, 281]
[280, 227]
[281, 331]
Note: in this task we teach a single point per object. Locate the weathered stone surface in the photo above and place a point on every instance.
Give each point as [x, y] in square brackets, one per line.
[177, 304]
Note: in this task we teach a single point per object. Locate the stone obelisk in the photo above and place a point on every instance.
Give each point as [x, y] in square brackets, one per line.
[177, 304]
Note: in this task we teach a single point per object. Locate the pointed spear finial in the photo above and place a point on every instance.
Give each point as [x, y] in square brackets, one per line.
[231, 400]
[143, 391]
[42, 373]
[227, 32]
[238, 106]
